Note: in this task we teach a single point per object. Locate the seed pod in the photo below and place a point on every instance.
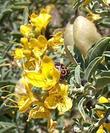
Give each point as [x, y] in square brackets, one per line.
[107, 2]
[69, 42]
[85, 34]
[68, 36]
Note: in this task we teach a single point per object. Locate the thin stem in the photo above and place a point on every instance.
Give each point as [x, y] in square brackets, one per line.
[72, 59]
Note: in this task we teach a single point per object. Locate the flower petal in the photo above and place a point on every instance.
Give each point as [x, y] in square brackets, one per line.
[51, 102]
[103, 100]
[35, 78]
[40, 112]
[56, 40]
[65, 105]
[40, 21]
[18, 53]
[25, 29]
[100, 130]
[24, 103]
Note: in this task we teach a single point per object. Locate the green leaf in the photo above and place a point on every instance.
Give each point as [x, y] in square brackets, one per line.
[102, 106]
[98, 49]
[102, 82]
[77, 75]
[6, 127]
[105, 73]
[92, 67]
[7, 82]
[26, 15]
[105, 22]
[106, 53]
[81, 107]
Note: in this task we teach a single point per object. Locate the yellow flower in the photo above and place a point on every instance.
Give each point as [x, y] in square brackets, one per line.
[36, 46]
[58, 98]
[39, 45]
[102, 127]
[18, 53]
[40, 21]
[47, 77]
[100, 130]
[101, 115]
[26, 99]
[26, 30]
[56, 40]
[32, 64]
[31, 48]
[39, 112]
[102, 99]
[21, 53]
[24, 103]
[24, 41]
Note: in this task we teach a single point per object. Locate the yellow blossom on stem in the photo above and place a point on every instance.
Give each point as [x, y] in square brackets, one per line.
[36, 46]
[58, 98]
[56, 40]
[40, 21]
[40, 71]
[39, 46]
[47, 77]
[18, 54]
[31, 48]
[26, 30]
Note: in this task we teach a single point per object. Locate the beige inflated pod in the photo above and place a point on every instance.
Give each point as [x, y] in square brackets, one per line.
[68, 36]
[69, 41]
[85, 34]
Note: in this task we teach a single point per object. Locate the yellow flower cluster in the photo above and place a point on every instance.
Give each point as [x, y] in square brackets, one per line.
[39, 71]
[101, 115]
